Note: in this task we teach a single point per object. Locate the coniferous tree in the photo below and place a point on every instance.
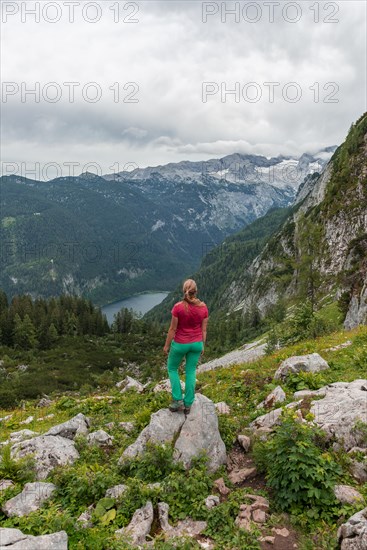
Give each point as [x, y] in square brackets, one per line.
[24, 332]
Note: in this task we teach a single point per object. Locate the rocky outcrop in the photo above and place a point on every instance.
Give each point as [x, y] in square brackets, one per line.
[199, 433]
[78, 425]
[162, 428]
[29, 500]
[312, 362]
[14, 539]
[15, 437]
[48, 451]
[194, 433]
[54, 448]
[358, 470]
[330, 216]
[240, 475]
[309, 393]
[245, 354]
[352, 535]
[343, 404]
[139, 526]
[357, 310]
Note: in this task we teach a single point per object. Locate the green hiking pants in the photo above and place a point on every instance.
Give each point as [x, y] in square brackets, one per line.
[192, 353]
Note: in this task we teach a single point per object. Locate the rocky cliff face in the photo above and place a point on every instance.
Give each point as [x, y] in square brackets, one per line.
[322, 247]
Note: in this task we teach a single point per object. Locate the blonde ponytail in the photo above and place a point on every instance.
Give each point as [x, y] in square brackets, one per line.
[189, 294]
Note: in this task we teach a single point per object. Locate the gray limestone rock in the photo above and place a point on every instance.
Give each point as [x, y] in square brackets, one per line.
[200, 433]
[162, 428]
[78, 425]
[14, 539]
[312, 362]
[48, 450]
[140, 524]
[352, 535]
[347, 494]
[100, 438]
[29, 500]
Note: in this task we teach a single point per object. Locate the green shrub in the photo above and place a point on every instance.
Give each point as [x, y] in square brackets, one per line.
[22, 470]
[221, 524]
[83, 484]
[300, 473]
[185, 491]
[66, 403]
[228, 428]
[305, 381]
[155, 464]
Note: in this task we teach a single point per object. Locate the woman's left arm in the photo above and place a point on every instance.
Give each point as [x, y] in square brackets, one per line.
[171, 333]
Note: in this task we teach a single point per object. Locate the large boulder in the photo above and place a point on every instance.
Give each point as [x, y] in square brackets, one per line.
[196, 432]
[29, 500]
[313, 362]
[139, 526]
[352, 535]
[14, 539]
[162, 428]
[200, 432]
[48, 451]
[343, 405]
[78, 425]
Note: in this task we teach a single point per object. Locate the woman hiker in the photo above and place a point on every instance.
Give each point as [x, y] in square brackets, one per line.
[186, 337]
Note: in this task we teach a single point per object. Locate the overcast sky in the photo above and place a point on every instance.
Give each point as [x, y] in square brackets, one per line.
[168, 54]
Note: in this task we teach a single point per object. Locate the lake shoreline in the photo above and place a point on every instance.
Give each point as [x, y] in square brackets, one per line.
[133, 296]
[139, 302]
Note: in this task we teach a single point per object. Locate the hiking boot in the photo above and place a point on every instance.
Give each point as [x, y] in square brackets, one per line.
[187, 409]
[176, 406]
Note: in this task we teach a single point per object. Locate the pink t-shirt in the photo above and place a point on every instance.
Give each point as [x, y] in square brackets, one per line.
[189, 324]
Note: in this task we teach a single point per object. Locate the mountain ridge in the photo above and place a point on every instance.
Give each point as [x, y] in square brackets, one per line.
[106, 239]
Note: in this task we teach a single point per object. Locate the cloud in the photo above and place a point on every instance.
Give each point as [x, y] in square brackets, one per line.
[166, 57]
